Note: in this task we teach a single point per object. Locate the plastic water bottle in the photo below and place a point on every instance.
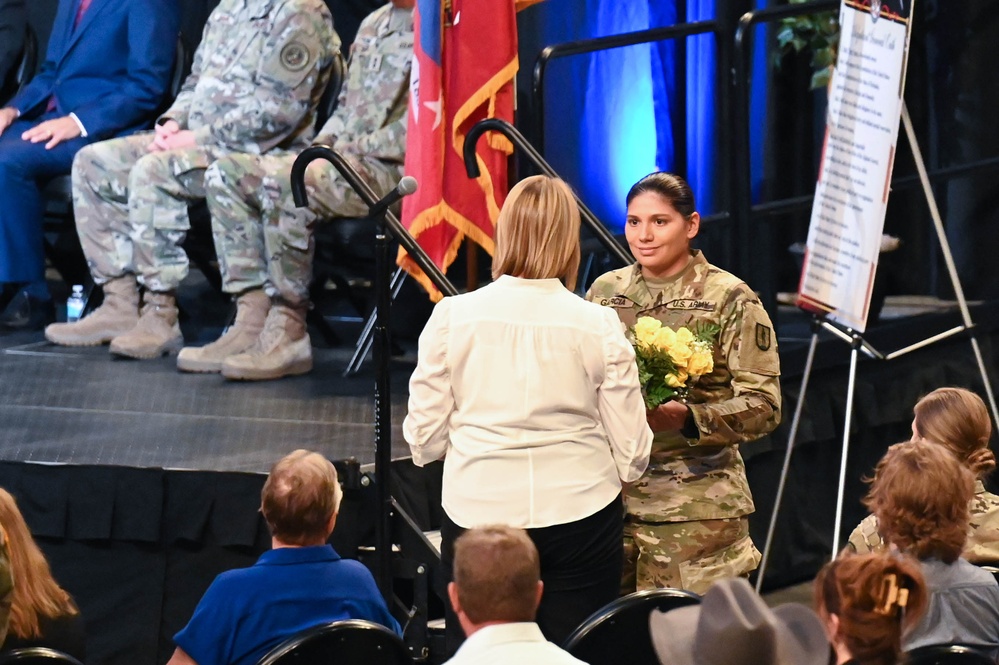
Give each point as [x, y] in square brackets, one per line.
[75, 304]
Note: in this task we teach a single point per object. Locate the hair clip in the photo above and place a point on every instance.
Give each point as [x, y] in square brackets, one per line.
[893, 596]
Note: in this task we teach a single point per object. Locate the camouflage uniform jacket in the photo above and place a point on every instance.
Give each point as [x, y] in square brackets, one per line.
[258, 75]
[983, 534]
[704, 478]
[371, 114]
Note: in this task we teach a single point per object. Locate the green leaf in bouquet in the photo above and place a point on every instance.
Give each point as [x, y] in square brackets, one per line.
[658, 394]
[706, 331]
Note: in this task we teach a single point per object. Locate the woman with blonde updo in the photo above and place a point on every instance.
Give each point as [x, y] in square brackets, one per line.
[42, 613]
[958, 420]
[867, 602]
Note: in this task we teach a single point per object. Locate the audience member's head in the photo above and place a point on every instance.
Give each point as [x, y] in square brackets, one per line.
[36, 593]
[537, 232]
[920, 494]
[497, 577]
[301, 498]
[732, 624]
[958, 420]
[867, 602]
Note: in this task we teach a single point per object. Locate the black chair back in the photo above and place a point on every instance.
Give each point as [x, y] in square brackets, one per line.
[37, 656]
[599, 639]
[331, 95]
[341, 642]
[947, 654]
[27, 65]
[182, 61]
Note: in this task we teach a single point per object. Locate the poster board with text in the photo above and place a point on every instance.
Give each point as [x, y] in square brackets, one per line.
[851, 195]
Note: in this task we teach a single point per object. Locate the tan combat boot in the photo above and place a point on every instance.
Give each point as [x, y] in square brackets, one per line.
[118, 314]
[283, 348]
[251, 312]
[156, 332]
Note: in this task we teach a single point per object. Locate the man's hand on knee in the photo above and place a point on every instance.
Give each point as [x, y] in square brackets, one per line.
[7, 116]
[182, 139]
[163, 132]
[53, 132]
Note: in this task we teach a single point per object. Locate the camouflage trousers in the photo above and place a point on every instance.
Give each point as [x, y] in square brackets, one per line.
[131, 208]
[262, 239]
[686, 555]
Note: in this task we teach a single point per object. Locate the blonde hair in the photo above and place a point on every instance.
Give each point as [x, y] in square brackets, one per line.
[300, 497]
[36, 593]
[537, 233]
[958, 420]
[920, 495]
[863, 591]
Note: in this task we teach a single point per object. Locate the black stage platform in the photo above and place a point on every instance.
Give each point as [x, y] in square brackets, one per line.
[142, 483]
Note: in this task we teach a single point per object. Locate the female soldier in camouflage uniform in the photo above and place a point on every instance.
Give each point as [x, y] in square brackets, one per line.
[687, 519]
[958, 420]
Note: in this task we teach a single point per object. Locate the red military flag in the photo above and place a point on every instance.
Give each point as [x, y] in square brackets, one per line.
[464, 63]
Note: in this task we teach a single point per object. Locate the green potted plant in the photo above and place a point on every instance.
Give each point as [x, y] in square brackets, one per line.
[815, 33]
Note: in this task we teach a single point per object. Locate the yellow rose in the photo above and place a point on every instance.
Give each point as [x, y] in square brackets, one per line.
[679, 380]
[700, 363]
[684, 336]
[646, 329]
[680, 353]
[665, 338]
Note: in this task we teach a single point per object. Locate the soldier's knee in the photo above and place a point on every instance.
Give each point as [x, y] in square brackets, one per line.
[87, 162]
[153, 167]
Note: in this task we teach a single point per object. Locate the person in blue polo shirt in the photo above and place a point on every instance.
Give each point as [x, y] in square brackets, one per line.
[301, 582]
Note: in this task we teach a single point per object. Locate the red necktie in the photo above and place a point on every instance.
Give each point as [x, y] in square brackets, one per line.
[84, 5]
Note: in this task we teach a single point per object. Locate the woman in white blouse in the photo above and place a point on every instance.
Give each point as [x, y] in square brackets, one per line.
[531, 396]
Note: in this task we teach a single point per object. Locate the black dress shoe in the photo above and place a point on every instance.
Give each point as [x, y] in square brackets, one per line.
[25, 312]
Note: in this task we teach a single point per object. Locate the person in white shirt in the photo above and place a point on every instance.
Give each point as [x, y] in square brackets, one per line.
[495, 593]
[532, 394]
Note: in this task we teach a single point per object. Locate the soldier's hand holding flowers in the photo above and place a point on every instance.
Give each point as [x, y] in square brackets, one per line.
[670, 360]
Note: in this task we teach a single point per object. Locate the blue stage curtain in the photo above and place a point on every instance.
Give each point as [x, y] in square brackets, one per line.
[612, 117]
[701, 108]
[758, 92]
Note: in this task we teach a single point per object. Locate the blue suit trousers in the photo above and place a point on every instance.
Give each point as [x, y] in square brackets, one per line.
[24, 169]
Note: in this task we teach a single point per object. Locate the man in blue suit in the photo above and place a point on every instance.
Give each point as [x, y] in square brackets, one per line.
[107, 68]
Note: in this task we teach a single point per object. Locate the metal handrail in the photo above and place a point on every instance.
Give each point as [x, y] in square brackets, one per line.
[765, 211]
[517, 139]
[357, 183]
[582, 46]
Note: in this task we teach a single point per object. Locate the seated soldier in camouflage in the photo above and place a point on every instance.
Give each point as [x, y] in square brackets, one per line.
[958, 420]
[265, 244]
[257, 78]
[687, 517]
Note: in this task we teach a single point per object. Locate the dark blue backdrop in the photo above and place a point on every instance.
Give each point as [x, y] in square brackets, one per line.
[614, 116]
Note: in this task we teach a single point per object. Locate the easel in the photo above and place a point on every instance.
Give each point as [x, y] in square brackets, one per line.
[857, 344]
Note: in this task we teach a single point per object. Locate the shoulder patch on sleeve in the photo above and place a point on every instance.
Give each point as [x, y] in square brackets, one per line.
[295, 56]
[763, 336]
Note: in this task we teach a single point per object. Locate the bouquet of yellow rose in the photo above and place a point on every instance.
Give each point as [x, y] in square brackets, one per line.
[668, 359]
